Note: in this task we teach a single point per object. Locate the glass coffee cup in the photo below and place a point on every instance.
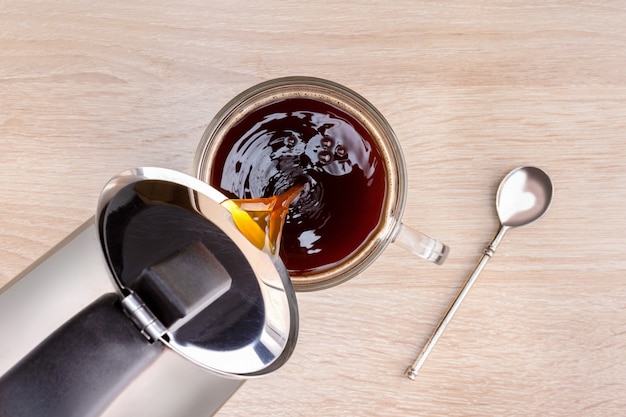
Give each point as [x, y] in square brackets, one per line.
[340, 150]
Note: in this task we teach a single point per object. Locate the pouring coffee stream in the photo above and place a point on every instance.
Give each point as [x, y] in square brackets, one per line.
[523, 197]
[261, 220]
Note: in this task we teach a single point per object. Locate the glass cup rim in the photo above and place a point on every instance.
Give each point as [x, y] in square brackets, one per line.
[360, 108]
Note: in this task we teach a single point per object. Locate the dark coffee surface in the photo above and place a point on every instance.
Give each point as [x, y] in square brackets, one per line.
[302, 140]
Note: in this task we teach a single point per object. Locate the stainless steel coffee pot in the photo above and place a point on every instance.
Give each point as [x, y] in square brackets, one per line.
[157, 306]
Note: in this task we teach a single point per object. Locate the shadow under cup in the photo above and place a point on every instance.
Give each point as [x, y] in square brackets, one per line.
[319, 134]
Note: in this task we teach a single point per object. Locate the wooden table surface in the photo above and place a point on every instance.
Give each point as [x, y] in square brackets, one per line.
[472, 89]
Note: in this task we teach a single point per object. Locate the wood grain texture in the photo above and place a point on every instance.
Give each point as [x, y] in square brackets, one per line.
[472, 89]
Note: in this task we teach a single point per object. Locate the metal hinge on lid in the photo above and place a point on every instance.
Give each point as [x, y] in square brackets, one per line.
[143, 318]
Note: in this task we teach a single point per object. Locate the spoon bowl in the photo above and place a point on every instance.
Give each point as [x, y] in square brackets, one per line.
[524, 196]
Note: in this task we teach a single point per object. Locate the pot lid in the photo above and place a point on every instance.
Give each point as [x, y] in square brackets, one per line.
[190, 278]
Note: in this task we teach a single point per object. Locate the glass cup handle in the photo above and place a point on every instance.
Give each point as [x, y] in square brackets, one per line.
[421, 245]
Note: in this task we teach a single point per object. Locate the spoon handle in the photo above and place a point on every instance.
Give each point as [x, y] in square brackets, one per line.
[488, 252]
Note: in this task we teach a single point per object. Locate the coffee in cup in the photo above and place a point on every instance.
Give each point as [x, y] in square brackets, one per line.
[313, 133]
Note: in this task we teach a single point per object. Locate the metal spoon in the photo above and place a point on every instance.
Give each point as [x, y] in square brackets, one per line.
[524, 195]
